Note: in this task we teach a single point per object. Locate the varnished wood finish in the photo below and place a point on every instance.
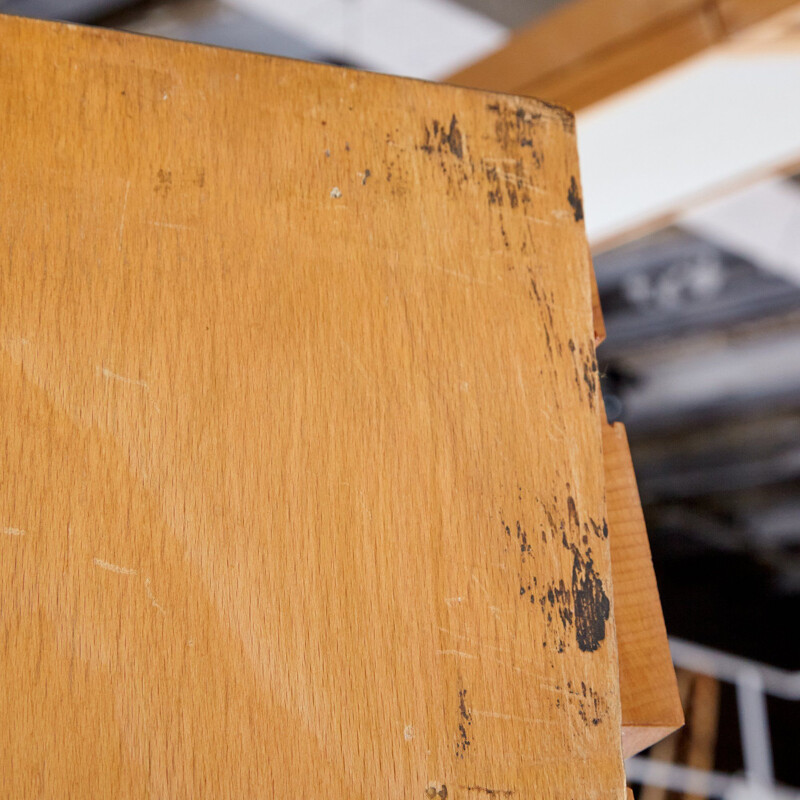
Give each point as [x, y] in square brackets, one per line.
[302, 489]
[651, 705]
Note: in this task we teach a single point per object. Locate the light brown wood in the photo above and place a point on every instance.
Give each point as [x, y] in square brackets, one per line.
[703, 726]
[613, 70]
[590, 50]
[740, 15]
[302, 489]
[651, 707]
[694, 745]
[570, 35]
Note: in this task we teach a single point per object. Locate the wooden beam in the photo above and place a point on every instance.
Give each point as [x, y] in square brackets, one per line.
[568, 36]
[590, 50]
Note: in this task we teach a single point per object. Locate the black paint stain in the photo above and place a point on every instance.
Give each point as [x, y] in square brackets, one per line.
[574, 197]
[591, 707]
[600, 531]
[367, 173]
[592, 606]
[453, 139]
[462, 745]
[462, 706]
[441, 138]
[589, 367]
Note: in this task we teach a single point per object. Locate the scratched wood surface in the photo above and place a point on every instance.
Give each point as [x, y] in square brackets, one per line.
[301, 479]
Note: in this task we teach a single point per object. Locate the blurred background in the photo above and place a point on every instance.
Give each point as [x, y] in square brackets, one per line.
[688, 119]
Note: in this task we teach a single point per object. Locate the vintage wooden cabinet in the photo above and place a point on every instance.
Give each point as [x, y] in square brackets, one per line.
[302, 481]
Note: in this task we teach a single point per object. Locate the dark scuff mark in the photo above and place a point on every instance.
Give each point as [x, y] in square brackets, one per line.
[164, 184]
[600, 531]
[591, 707]
[453, 139]
[589, 380]
[592, 606]
[573, 512]
[462, 706]
[463, 743]
[367, 173]
[487, 790]
[567, 117]
[574, 197]
[506, 243]
[427, 146]
[443, 137]
[522, 538]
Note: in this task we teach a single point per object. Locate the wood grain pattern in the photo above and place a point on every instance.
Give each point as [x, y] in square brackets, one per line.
[569, 35]
[302, 488]
[651, 705]
[614, 69]
[741, 15]
[589, 50]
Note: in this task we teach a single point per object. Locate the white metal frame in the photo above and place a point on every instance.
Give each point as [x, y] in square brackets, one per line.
[753, 682]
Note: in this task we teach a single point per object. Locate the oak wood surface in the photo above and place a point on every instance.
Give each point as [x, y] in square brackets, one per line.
[651, 705]
[301, 481]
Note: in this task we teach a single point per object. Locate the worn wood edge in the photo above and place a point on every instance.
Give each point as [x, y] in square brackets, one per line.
[554, 111]
[637, 738]
[597, 308]
[651, 707]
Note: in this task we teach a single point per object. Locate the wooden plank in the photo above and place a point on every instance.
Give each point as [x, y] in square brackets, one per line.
[612, 70]
[590, 50]
[651, 707]
[741, 15]
[567, 36]
[301, 434]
